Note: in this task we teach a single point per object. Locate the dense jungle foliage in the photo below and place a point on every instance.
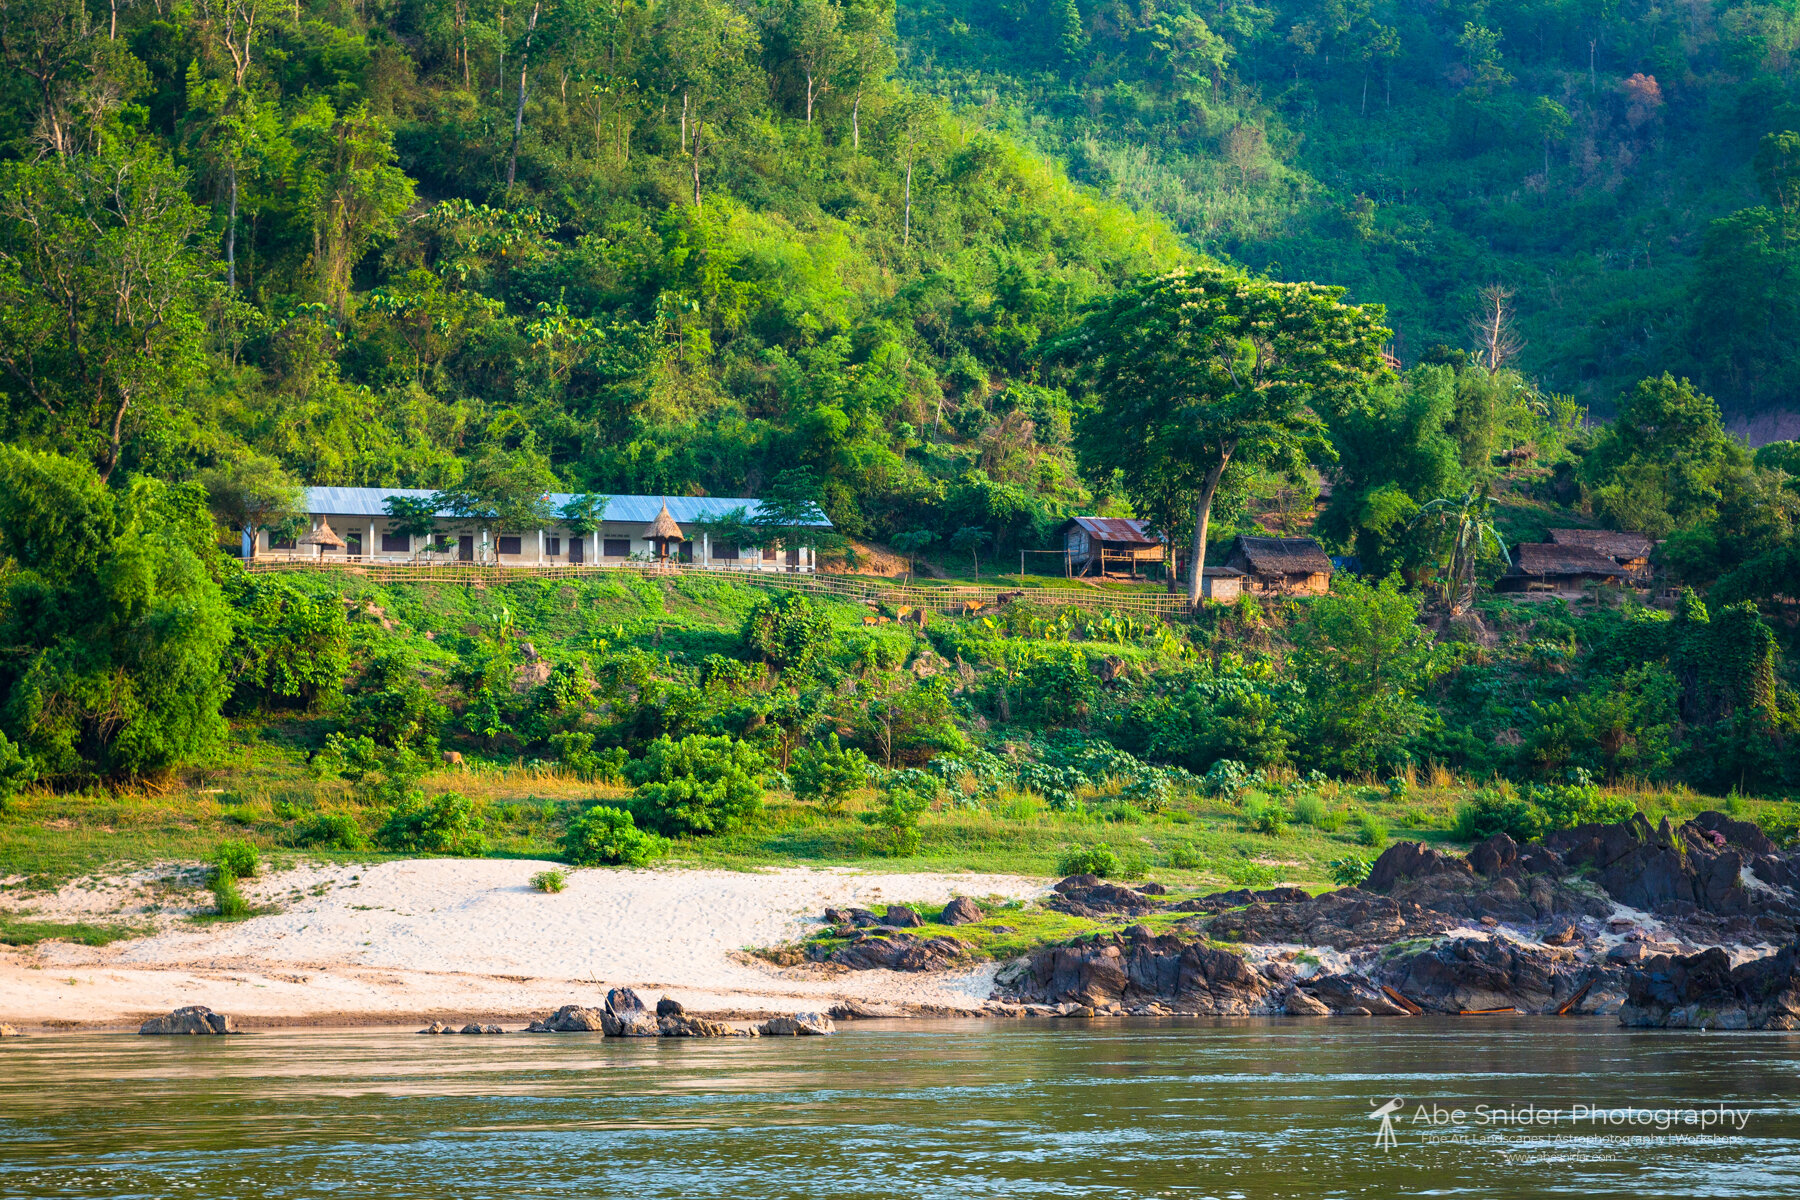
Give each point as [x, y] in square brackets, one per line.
[1602, 161]
[697, 246]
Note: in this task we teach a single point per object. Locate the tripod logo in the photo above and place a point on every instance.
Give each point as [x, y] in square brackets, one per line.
[1384, 1137]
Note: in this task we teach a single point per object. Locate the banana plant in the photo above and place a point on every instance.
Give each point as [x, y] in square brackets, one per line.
[1465, 529]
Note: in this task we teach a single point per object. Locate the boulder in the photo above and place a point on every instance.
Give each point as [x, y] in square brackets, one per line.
[7, 1031]
[1351, 996]
[1412, 860]
[1493, 856]
[1238, 897]
[1102, 900]
[1077, 881]
[625, 1015]
[837, 916]
[669, 1008]
[195, 1019]
[1138, 967]
[806, 1024]
[1476, 974]
[1152, 889]
[1704, 991]
[1343, 919]
[960, 911]
[438, 1027]
[898, 951]
[1299, 1004]
[845, 1010]
[901, 917]
[573, 1018]
[682, 1025]
[481, 1029]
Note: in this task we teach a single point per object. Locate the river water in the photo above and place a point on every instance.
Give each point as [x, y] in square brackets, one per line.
[1030, 1109]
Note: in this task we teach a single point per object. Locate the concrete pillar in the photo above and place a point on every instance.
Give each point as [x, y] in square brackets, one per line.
[369, 546]
[540, 548]
[706, 549]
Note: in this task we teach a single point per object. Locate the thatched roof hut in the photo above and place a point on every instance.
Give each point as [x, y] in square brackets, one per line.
[664, 532]
[1629, 550]
[1278, 564]
[324, 537]
[1546, 566]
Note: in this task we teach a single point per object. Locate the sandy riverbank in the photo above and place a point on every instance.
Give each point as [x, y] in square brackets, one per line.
[404, 941]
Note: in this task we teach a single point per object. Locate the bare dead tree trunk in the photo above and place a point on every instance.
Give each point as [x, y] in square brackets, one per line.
[856, 122]
[231, 233]
[906, 229]
[699, 127]
[512, 158]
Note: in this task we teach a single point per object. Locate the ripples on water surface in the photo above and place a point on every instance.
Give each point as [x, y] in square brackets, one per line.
[896, 1109]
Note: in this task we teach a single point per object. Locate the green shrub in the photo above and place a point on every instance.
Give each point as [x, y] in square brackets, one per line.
[575, 750]
[606, 836]
[1265, 817]
[228, 902]
[332, 831]
[1244, 873]
[899, 815]
[235, 859]
[698, 785]
[1308, 810]
[1185, 856]
[1333, 820]
[1486, 813]
[445, 824]
[787, 632]
[1370, 831]
[1349, 870]
[1097, 859]
[826, 774]
[550, 881]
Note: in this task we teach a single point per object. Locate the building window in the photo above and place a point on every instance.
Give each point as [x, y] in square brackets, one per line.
[725, 553]
[509, 545]
[353, 543]
[616, 548]
[396, 543]
[768, 554]
[281, 543]
[553, 546]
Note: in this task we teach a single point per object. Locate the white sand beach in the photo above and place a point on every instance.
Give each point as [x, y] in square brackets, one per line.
[465, 938]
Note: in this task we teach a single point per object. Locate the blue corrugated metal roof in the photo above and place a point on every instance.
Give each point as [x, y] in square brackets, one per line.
[367, 502]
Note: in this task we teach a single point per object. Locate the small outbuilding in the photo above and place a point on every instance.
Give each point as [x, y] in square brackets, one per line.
[1093, 545]
[1283, 566]
[1630, 550]
[1548, 567]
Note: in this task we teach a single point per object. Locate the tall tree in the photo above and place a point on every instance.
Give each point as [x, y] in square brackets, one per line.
[1202, 369]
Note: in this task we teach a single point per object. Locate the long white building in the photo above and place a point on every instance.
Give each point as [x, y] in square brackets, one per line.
[353, 523]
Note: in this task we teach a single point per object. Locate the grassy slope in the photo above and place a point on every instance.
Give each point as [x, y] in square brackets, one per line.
[46, 837]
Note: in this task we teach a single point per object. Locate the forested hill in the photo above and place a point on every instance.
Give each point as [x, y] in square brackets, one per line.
[648, 247]
[1597, 158]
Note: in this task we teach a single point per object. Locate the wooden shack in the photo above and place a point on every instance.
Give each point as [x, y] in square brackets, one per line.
[1097, 545]
[1630, 550]
[1291, 566]
[1548, 567]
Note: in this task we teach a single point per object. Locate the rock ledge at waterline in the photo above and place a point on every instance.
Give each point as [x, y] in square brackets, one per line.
[1688, 927]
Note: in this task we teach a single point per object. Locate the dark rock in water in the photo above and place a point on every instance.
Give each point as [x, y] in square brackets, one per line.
[1102, 900]
[901, 917]
[682, 1025]
[1153, 889]
[573, 1018]
[1299, 1004]
[626, 1016]
[806, 1024]
[1077, 881]
[482, 1029]
[960, 911]
[845, 1010]
[669, 1008]
[899, 952]
[1139, 966]
[1704, 991]
[1476, 974]
[7, 1031]
[438, 1027]
[1351, 995]
[195, 1019]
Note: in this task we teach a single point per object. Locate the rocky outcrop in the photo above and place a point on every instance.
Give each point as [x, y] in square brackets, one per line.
[683, 1025]
[1138, 967]
[806, 1024]
[960, 911]
[1487, 974]
[901, 917]
[1342, 920]
[894, 951]
[195, 1019]
[1239, 897]
[1704, 991]
[1101, 900]
[571, 1018]
[626, 1015]
[1352, 996]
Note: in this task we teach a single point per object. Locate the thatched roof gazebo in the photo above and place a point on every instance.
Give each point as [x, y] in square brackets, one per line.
[663, 532]
[324, 537]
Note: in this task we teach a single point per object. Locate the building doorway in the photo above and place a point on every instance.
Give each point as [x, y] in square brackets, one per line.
[465, 548]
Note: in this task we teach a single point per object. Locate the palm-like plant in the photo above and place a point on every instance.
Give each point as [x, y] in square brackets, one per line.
[1465, 529]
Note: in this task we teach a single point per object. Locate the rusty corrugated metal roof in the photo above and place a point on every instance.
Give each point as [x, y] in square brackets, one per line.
[1116, 529]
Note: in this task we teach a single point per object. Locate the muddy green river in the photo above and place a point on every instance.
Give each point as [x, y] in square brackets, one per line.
[1489, 1107]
